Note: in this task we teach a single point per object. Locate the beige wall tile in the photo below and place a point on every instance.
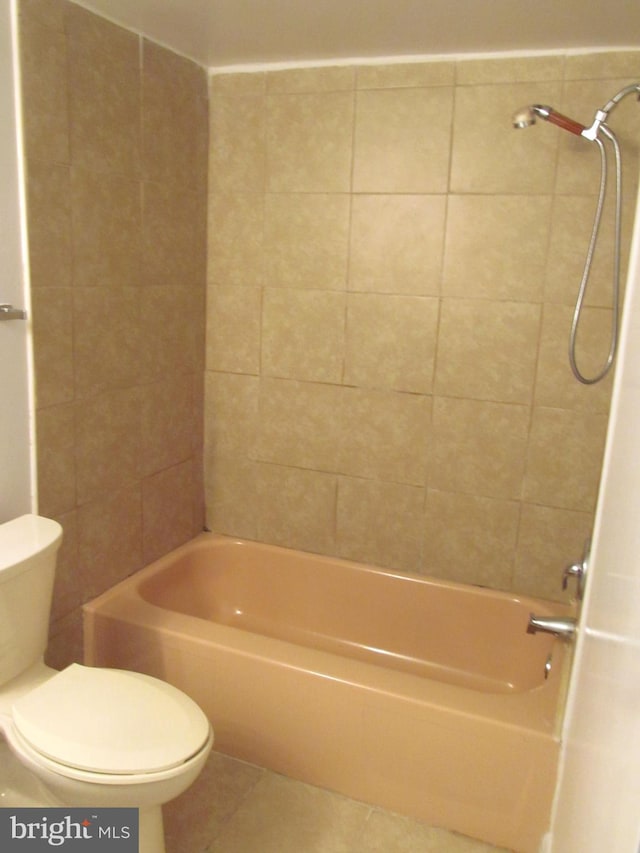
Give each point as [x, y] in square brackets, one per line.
[197, 381]
[96, 33]
[391, 342]
[556, 385]
[309, 139]
[405, 75]
[110, 539]
[231, 416]
[236, 144]
[106, 226]
[488, 155]
[578, 170]
[380, 523]
[402, 140]
[108, 444]
[170, 331]
[396, 244]
[385, 435]
[300, 424]
[629, 197]
[549, 539]
[236, 237]
[482, 549]
[174, 118]
[571, 225]
[564, 459]
[478, 447]
[174, 228]
[232, 498]
[56, 441]
[52, 311]
[43, 61]
[167, 415]
[306, 240]
[237, 83]
[600, 65]
[321, 79]
[107, 344]
[487, 350]
[47, 13]
[49, 211]
[167, 522]
[104, 93]
[518, 69]
[233, 329]
[65, 641]
[197, 490]
[303, 334]
[68, 593]
[297, 508]
[495, 246]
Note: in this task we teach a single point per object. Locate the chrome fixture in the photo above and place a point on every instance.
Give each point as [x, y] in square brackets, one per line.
[562, 626]
[547, 667]
[526, 117]
[578, 571]
[8, 312]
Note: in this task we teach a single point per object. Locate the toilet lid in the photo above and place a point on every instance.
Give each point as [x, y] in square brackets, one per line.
[111, 721]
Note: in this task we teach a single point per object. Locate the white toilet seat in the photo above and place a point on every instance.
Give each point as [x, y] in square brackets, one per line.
[93, 723]
[39, 763]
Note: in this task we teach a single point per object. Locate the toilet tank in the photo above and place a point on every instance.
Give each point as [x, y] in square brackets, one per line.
[28, 548]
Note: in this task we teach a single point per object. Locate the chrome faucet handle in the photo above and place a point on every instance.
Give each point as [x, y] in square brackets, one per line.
[578, 571]
[574, 570]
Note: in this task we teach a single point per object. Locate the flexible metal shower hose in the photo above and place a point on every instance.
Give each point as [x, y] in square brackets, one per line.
[589, 259]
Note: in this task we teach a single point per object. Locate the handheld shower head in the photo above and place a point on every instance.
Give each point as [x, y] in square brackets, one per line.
[526, 116]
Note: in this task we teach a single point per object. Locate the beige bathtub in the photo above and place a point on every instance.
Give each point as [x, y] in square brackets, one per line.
[425, 697]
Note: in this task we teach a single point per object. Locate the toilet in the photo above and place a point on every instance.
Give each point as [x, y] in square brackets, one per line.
[83, 736]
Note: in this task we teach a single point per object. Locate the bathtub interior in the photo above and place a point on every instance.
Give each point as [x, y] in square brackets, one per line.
[450, 632]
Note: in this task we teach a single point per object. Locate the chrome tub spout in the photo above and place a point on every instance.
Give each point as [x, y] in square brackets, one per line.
[561, 626]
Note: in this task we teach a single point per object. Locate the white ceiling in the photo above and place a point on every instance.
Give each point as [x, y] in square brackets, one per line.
[220, 33]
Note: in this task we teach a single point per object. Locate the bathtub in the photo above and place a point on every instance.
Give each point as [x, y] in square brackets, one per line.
[421, 696]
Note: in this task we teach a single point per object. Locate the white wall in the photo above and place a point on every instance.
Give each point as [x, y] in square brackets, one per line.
[17, 492]
[598, 796]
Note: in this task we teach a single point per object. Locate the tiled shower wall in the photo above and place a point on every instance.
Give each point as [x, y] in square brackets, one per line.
[116, 144]
[391, 274]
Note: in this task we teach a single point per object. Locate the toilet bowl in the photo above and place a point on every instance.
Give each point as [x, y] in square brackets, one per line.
[106, 738]
[91, 736]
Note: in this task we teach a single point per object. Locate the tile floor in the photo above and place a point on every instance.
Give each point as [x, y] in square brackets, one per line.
[238, 808]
